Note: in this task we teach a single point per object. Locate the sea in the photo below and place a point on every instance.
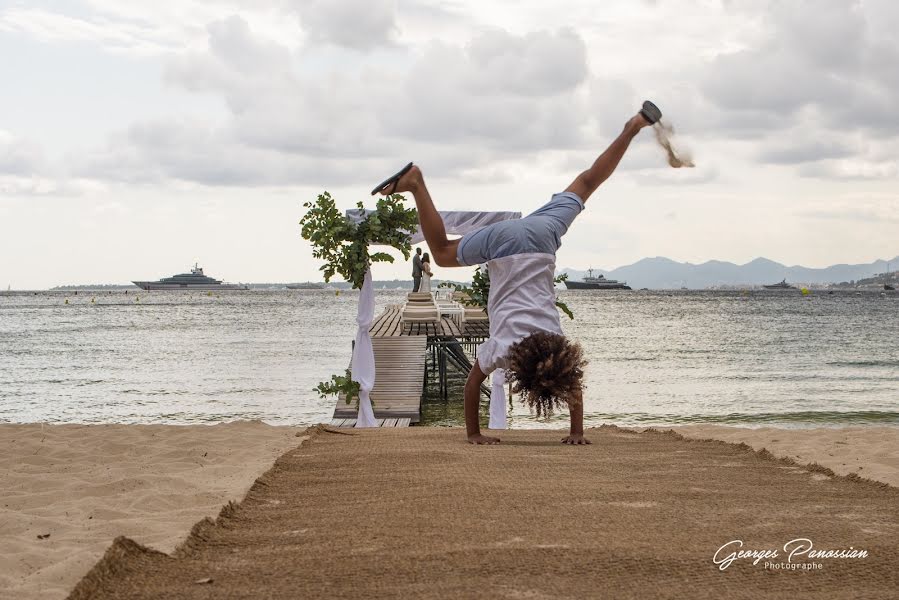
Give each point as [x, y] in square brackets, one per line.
[657, 358]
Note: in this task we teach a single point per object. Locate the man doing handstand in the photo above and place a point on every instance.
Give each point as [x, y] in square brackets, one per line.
[525, 331]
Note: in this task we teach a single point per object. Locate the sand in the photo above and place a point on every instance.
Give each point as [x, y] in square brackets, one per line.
[871, 452]
[417, 513]
[677, 157]
[85, 485]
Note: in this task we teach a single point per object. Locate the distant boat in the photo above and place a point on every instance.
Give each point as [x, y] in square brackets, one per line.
[783, 285]
[195, 280]
[596, 283]
[888, 287]
[305, 286]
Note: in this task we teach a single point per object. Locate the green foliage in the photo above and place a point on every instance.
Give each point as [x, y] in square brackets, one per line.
[559, 304]
[479, 292]
[339, 384]
[344, 246]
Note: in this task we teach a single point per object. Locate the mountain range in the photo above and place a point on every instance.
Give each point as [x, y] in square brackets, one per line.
[664, 273]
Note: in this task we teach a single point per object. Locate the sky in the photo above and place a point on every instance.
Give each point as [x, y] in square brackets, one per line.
[139, 137]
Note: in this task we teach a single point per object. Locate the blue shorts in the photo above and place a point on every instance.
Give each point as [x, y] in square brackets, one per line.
[539, 232]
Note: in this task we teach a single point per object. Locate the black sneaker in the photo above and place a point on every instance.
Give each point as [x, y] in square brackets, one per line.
[651, 112]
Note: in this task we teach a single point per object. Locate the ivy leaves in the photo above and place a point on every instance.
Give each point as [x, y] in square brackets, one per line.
[344, 245]
[559, 304]
[339, 384]
[479, 292]
[344, 248]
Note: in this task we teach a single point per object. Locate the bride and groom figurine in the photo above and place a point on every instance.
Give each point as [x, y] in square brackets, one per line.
[421, 271]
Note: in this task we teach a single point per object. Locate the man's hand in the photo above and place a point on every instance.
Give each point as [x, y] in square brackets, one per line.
[576, 439]
[636, 123]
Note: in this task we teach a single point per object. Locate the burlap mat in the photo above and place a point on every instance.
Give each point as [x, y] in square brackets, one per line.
[417, 513]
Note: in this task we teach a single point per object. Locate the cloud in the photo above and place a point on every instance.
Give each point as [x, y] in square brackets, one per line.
[154, 152]
[25, 170]
[115, 35]
[851, 168]
[455, 108]
[679, 177]
[872, 209]
[821, 55]
[801, 145]
[500, 91]
[363, 85]
[19, 157]
[355, 24]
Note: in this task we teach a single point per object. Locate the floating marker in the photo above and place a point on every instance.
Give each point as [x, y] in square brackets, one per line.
[67, 300]
[805, 291]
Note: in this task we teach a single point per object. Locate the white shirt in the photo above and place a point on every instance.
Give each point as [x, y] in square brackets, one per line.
[522, 301]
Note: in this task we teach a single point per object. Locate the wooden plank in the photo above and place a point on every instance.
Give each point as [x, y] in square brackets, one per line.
[396, 320]
[384, 322]
[380, 322]
[400, 370]
[395, 317]
[402, 422]
[389, 423]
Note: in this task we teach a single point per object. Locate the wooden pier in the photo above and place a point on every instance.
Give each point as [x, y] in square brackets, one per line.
[402, 352]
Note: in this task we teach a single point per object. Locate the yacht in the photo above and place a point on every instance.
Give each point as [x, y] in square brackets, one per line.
[783, 285]
[596, 283]
[195, 280]
[305, 286]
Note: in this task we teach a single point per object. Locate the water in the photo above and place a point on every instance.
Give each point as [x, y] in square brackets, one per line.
[655, 357]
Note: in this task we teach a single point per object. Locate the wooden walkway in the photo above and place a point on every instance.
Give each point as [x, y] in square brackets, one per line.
[401, 351]
[381, 422]
[390, 324]
[399, 380]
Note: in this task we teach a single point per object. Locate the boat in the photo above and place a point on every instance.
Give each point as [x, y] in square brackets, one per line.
[889, 288]
[783, 285]
[596, 283]
[195, 280]
[305, 286]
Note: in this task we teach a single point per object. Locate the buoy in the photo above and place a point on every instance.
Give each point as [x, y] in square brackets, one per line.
[208, 293]
[67, 300]
[93, 300]
[336, 292]
[805, 291]
[137, 298]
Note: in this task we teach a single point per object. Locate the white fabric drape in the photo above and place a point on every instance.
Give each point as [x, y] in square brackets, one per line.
[497, 400]
[363, 365]
[456, 222]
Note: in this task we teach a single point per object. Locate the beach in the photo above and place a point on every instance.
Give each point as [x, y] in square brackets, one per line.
[87, 485]
[81, 486]
[418, 513]
[871, 452]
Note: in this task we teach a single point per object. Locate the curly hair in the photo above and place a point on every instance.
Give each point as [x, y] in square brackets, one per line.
[547, 370]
